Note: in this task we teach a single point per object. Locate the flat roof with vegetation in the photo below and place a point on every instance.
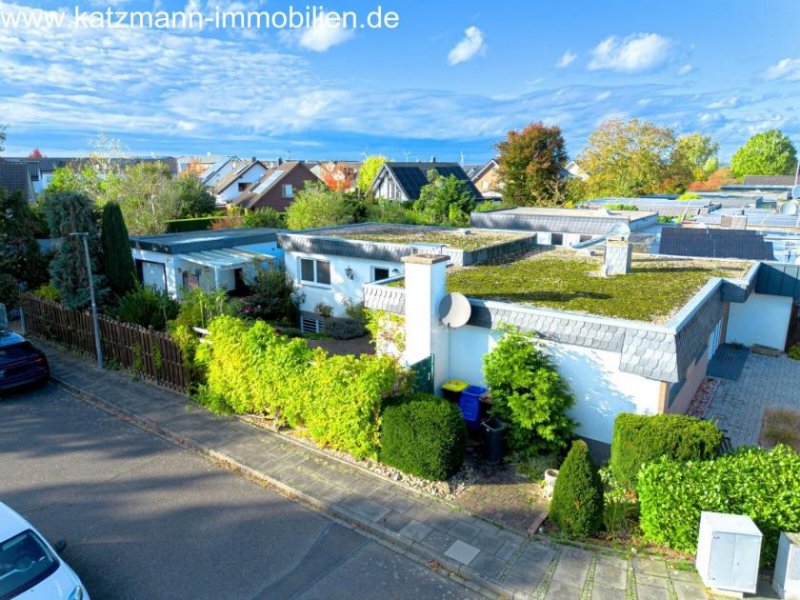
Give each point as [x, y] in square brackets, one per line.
[461, 239]
[656, 288]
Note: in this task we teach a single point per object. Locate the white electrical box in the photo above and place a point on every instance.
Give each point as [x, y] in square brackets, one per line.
[786, 580]
[544, 238]
[728, 550]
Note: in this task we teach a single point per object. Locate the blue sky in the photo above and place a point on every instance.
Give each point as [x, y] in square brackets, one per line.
[450, 79]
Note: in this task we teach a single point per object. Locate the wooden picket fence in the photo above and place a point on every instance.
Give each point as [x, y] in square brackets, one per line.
[150, 354]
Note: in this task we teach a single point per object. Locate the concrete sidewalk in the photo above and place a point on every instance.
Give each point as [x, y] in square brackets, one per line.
[497, 561]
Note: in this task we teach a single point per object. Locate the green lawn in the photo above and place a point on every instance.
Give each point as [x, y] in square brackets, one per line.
[653, 291]
[471, 241]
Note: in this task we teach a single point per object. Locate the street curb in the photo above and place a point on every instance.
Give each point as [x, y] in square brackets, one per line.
[413, 550]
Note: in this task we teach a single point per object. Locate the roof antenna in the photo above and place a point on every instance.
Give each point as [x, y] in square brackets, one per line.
[461, 159]
[407, 155]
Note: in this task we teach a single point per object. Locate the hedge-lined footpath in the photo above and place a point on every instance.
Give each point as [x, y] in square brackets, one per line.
[763, 484]
[250, 368]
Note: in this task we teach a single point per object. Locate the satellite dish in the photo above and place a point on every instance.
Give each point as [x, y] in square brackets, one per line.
[789, 208]
[455, 310]
[796, 192]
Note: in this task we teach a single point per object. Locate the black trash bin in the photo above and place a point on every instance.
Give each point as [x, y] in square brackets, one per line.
[494, 440]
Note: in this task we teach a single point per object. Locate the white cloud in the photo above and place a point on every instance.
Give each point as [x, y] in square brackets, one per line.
[324, 34]
[685, 70]
[470, 45]
[788, 69]
[638, 52]
[566, 59]
[603, 96]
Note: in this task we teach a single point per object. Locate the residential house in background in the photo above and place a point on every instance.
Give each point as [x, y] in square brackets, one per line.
[237, 181]
[573, 169]
[487, 179]
[403, 181]
[220, 169]
[15, 177]
[330, 265]
[277, 187]
[207, 259]
[195, 166]
[339, 175]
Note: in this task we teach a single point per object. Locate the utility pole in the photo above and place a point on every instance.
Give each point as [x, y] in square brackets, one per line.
[98, 345]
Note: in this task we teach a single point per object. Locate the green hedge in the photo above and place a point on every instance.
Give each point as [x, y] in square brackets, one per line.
[423, 435]
[193, 224]
[249, 368]
[577, 505]
[641, 438]
[763, 484]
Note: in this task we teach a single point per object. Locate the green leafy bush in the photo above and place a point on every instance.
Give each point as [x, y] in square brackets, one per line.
[47, 291]
[423, 435]
[638, 439]
[528, 394]
[250, 368]
[274, 297]
[620, 206]
[794, 352]
[577, 505]
[146, 306]
[689, 196]
[763, 484]
[264, 217]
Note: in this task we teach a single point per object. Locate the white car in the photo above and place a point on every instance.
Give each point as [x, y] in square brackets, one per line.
[30, 568]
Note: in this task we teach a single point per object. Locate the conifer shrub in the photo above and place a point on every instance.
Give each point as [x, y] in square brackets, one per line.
[423, 435]
[577, 504]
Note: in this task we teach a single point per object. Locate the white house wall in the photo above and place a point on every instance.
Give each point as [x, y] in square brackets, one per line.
[341, 287]
[763, 320]
[601, 390]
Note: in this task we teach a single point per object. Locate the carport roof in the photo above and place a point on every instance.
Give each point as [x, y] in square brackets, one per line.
[225, 259]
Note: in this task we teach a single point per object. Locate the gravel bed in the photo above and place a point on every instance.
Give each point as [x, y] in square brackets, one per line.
[703, 397]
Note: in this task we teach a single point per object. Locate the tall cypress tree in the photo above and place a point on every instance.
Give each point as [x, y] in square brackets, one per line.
[69, 212]
[117, 260]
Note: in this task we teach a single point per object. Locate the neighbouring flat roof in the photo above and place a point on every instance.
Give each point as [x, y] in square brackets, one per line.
[196, 241]
[627, 215]
[466, 238]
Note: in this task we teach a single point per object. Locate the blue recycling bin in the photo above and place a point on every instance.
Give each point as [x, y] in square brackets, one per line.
[470, 404]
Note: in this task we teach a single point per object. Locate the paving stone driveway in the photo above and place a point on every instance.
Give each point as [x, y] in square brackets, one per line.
[765, 382]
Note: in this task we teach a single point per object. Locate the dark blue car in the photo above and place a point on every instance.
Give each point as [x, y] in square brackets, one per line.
[21, 363]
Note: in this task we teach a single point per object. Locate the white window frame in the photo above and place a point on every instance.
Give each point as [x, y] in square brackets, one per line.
[287, 190]
[315, 282]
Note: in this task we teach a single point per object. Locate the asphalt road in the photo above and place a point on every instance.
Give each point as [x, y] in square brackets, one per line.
[146, 519]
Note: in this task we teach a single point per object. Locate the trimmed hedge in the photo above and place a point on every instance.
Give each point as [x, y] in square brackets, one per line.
[191, 224]
[763, 484]
[638, 439]
[423, 435]
[252, 369]
[577, 505]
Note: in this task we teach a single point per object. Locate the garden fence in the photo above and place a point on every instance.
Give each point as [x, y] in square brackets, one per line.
[150, 354]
